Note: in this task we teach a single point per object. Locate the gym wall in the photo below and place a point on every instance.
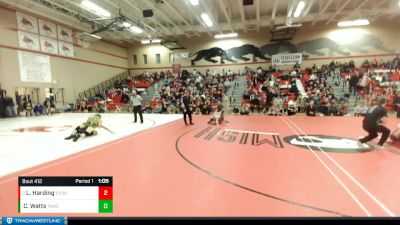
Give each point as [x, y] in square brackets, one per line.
[88, 67]
[321, 43]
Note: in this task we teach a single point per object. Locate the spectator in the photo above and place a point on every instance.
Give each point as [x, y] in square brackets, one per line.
[245, 110]
[396, 104]
[235, 110]
[28, 108]
[310, 110]
[360, 109]
[292, 108]
[218, 115]
[158, 108]
[124, 98]
[353, 84]
[38, 110]
[197, 111]
[9, 105]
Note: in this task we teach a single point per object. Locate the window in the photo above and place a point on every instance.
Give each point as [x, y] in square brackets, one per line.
[158, 58]
[171, 58]
[145, 59]
[135, 59]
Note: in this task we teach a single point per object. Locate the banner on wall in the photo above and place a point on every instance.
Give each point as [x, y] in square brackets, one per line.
[181, 55]
[66, 49]
[28, 40]
[287, 59]
[48, 45]
[47, 29]
[34, 67]
[64, 34]
[27, 23]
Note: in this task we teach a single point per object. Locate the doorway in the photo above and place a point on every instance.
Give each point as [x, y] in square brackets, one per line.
[56, 95]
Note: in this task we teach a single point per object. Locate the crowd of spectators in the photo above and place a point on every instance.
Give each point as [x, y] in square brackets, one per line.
[277, 93]
[207, 89]
[268, 91]
[24, 106]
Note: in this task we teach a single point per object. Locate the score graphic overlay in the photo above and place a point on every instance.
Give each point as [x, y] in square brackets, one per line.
[65, 195]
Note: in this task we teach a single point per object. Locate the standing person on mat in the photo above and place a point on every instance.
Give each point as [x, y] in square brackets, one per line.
[218, 116]
[87, 128]
[136, 101]
[373, 123]
[187, 107]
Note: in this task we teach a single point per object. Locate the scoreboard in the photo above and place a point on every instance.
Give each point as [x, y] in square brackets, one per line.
[65, 195]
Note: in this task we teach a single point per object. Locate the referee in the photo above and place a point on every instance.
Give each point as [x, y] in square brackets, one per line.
[373, 123]
[136, 101]
[187, 107]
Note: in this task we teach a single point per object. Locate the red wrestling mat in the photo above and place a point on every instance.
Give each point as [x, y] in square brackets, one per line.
[251, 166]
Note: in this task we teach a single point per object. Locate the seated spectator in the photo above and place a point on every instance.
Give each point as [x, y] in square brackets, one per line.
[148, 109]
[335, 110]
[235, 110]
[360, 109]
[172, 109]
[310, 109]
[82, 105]
[125, 98]
[38, 110]
[206, 109]
[292, 108]
[324, 106]
[159, 108]
[67, 108]
[197, 111]
[277, 107]
[244, 110]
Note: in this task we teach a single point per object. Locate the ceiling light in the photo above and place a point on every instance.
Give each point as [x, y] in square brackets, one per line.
[288, 26]
[95, 36]
[207, 19]
[135, 29]
[126, 24]
[194, 2]
[145, 42]
[299, 9]
[156, 41]
[230, 35]
[95, 8]
[353, 23]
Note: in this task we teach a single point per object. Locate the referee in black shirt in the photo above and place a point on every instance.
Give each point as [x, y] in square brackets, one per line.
[136, 101]
[186, 107]
[372, 123]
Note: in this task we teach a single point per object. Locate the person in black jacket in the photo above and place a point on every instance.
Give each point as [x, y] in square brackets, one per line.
[373, 123]
[396, 104]
[310, 109]
[187, 107]
[353, 84]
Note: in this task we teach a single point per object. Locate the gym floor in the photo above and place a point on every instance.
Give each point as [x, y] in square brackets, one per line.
[248, 166]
